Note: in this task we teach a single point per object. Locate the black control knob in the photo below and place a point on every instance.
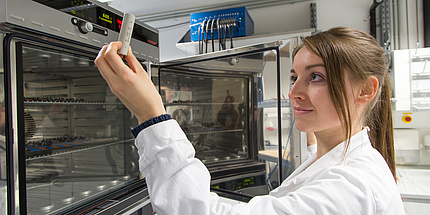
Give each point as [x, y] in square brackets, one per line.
[85, 27]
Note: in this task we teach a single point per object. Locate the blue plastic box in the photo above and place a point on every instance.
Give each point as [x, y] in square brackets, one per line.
[244, 26]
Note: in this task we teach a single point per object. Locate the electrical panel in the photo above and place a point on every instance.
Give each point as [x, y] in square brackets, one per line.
[221, 24]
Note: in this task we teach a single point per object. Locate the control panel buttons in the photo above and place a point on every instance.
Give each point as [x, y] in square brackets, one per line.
[85, 27]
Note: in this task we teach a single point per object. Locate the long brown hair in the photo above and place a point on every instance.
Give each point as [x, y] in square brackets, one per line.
[348, 50]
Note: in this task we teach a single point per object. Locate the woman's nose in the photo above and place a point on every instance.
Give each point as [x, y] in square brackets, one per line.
[297, 91]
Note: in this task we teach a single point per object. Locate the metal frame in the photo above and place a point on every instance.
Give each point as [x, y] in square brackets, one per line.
[225, 53]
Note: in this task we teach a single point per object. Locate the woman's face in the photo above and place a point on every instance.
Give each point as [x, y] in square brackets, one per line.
[310, 98]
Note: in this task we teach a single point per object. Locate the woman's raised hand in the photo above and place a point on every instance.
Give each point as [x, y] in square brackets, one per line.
[131, 85]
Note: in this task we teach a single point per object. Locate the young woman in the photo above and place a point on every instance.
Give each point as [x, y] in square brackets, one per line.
[340, 92]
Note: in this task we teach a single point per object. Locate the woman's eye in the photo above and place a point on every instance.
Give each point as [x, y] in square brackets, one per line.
[293, 80]
[316, 78]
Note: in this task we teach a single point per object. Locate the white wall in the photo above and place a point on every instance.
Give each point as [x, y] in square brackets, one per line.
[168, 37]
[350, 13]
[283, 18]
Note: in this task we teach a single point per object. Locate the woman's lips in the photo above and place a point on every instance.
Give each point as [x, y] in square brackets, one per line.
[301, 111]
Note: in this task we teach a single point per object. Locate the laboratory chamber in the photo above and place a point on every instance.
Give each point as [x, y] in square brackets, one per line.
[66, 141]
[233, 108]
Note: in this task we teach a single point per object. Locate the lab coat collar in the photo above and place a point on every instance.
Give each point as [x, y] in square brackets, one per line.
[336, 156]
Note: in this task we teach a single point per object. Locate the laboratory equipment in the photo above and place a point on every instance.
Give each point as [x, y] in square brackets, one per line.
[411, 116]
[66, 141]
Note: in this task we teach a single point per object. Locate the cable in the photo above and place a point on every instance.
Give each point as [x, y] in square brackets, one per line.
[207, 35]
[200, 51]
[231, 32]
[203, 36]
[271, 172]
[212, 35]
[219, 33]
[227, 26]
[224, 34]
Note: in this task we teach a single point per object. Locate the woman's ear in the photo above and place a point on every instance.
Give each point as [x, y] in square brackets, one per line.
[369, 91]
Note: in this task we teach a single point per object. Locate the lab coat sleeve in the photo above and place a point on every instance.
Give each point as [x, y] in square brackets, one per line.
[177, 182]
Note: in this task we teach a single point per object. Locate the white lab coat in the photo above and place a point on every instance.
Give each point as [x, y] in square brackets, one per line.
[311, 150]
[359, 182]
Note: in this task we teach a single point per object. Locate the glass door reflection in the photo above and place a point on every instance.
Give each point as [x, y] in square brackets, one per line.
[77, 142]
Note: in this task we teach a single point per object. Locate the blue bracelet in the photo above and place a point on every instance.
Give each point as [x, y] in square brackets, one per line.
[149, 122]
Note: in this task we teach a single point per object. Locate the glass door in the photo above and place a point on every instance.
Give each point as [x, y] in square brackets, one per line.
[212, 111]
[73, 137]
[3, 147]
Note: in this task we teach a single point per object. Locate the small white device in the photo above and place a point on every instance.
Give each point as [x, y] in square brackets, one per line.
[125, 32]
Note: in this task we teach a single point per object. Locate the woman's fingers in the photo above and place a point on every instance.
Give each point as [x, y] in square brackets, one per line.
[131, 85]
[114, 59]
[104, 68]
[133, 62]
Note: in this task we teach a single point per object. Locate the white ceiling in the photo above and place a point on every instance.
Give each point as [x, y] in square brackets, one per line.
[149, 7]
[150, 10]
[166, 13]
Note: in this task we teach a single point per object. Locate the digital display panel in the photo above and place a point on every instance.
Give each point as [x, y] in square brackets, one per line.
[106, 19]
[93, 13]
